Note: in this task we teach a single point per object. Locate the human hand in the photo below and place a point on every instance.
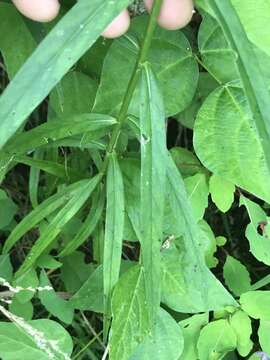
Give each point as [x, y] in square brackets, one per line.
[174, 14]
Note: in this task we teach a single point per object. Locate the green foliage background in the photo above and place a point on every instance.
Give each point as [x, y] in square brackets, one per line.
[135, 187]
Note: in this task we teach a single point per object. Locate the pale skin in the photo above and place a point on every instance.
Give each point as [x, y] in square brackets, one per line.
[174, 14]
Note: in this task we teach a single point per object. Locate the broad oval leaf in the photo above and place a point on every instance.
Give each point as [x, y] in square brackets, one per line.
[256, 304]
[222, 192]
[257, 231]
[45, 339]
[241, 324]
[216, 340]
[191, 328]
[236, 276]
[172, 61]
[217, 56]
[228, 145]
[74, 94]
[263, 333]
[17, 44]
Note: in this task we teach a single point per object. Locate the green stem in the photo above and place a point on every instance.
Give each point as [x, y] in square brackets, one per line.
[261, 283]
[133, 81]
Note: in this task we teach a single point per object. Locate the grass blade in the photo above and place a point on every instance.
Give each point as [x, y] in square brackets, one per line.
[50, 167]
[249, 69]
[88, 226]
[42, 211]
[113, 234]
[52, 131]
[62, 48]
[153, 178]
[55, 226]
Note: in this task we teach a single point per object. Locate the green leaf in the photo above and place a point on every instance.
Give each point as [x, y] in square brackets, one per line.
[6, 270]
[130, 324]
[241, 324]
[55, 305]
[259, 244]
[204, 291]
[28, 279]
[74, 94]
[114, 229]
[53, 229]
[217, 56]
[64, 45]
[90, 295]
[132, 177]
[48, 262]
[166, 342]
[216, 339]
[153, 183]
[88, 226]
[25, 310]
[208, 244]
[172, 60]
[253, 16]
[236, 276]
[251, 74]
[34, 339]
[256, 304]
[191, 328]
[222, 192]
[17, 44]
[50, 132]
[228, 145]
[197, 189]
[187, 117]
[186, 162]
[50, 167]
[75, 271]
[42, 211]
[263, 333]
[7, 210]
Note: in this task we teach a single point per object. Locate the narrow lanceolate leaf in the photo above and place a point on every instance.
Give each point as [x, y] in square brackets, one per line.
[249, 69]
[64, 45]
[52, 131]
[42, 211]
[88, 226]
[50, 167]
[54, 228]
[130, 325]
[114, 229]
[153, 177]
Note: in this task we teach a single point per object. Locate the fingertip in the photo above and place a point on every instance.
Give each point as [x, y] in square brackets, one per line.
[118, 26]
[174, 14]
[42, 11]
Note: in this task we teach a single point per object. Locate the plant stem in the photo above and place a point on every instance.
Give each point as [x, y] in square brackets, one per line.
[133, 81]
[259, 284]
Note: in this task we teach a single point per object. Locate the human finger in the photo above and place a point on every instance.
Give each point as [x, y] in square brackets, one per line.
[38, 10]
[174, 14]
[118, 26]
